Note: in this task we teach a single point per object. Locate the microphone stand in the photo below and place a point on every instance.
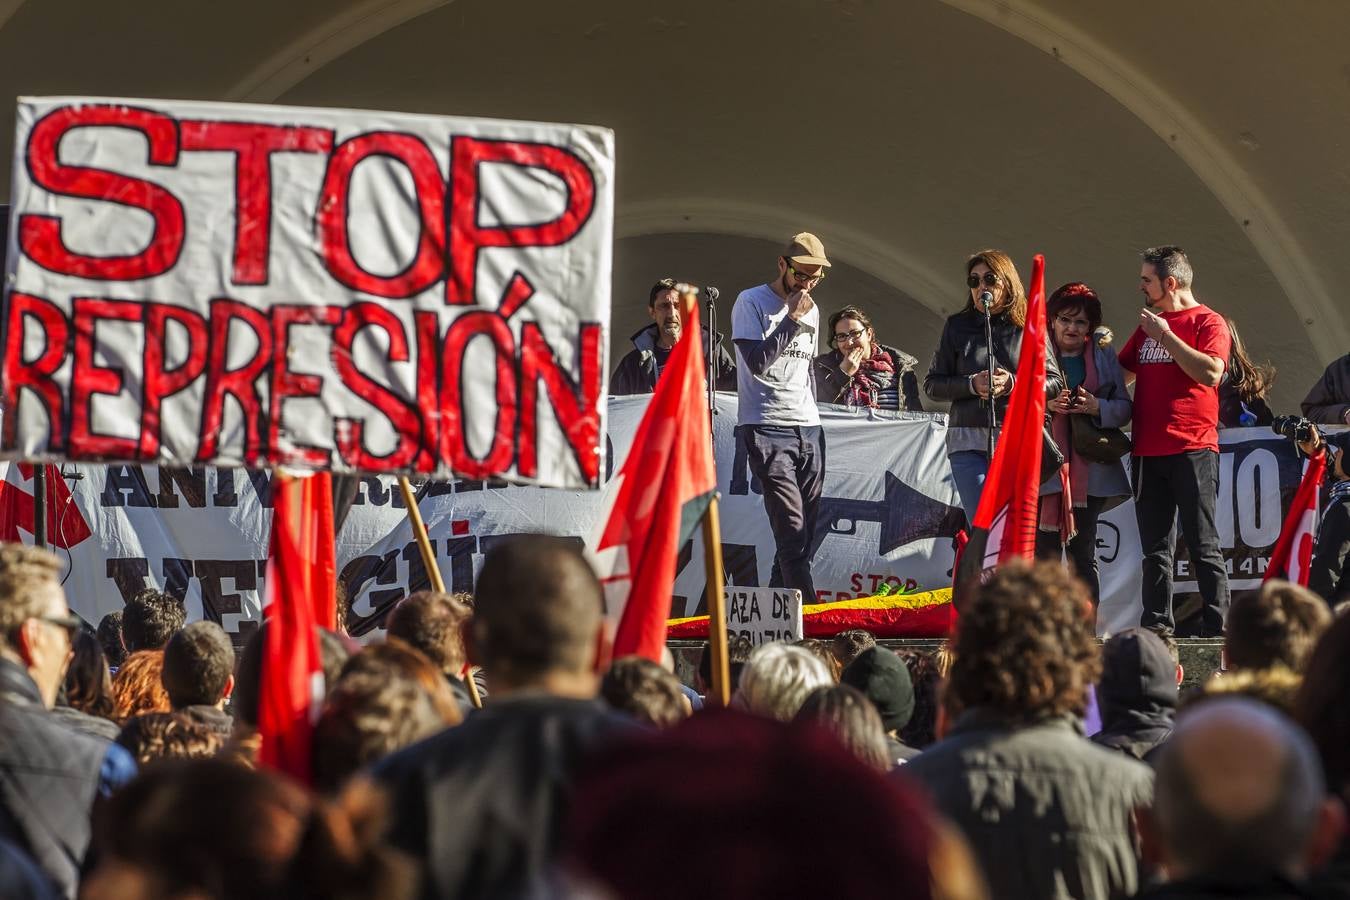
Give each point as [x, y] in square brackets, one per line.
[987, 301]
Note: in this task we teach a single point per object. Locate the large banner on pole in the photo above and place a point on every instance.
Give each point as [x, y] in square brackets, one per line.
[887, 520]
[195, 284]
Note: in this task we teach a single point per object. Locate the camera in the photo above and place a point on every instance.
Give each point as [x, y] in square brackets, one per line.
[1296, 428]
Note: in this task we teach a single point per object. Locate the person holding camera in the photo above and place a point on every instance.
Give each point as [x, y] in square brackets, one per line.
[1177, 357]
[1094, 387]
[1327, 574]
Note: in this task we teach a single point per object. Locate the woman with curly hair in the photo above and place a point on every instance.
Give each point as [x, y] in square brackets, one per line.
[139, 687]
[959, 373]
[1013, 770]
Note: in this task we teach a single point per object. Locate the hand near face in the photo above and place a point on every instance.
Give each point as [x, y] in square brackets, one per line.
[852, 361]
[799, 303]
[1154, 326]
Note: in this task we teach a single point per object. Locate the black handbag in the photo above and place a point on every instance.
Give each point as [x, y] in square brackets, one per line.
[1092, 442]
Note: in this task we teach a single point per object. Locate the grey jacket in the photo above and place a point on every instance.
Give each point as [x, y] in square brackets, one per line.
[1329, 398]
[1047, 813]
[1105, 479]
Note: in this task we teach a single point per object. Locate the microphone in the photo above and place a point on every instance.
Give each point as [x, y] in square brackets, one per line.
[987, 299]
[711, 293]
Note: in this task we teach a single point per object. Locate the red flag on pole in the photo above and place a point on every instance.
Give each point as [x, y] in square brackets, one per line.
[657, 498]
[1005, 521]
[301, 579]
[1292, 556]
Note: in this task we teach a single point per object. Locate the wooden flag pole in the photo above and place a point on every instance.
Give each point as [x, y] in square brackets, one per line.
[419, 530]
[717, 614]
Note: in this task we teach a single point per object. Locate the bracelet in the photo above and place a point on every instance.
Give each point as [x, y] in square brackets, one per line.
[970, 383]
[1345, 417]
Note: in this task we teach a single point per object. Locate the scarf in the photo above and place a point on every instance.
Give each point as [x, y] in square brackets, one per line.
[875, 374]
[1057, 509]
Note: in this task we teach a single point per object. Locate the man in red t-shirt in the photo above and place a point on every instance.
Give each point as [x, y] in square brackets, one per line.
[1176, 358]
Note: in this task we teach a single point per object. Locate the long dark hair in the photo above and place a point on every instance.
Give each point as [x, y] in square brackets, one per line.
[1251, 381]
[1014, 295]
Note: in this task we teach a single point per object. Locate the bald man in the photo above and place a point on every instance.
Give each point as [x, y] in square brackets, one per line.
[1240, 806]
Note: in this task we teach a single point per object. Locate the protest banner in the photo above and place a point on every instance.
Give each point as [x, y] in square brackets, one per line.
[194, 284]
[888, 515]
[764, 615]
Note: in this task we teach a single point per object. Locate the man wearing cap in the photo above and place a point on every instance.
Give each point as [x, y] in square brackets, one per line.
[774, 327]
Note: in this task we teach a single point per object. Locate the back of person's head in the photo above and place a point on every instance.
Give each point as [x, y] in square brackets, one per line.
[367, 716]
[433, 623]
[198, 665]
[139, 686]
[150, 618]
[160, 735]
[1275, 626]
[822, 651]
[776, 680]
[1138, 674]
[27, 576]
[921, 729]
[846, 645]
[110, 638]
[739, 649]
[537, 611]
[746, 786]
[88, 681]
[333, 654]
[1025, 648]
[844, 712]
[1322, 704]
[392, 658]
[883, 678]
[1239, 787]
[647, 692]
[211, 828]
[1276, 687]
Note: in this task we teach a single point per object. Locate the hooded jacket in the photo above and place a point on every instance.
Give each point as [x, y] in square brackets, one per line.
[1137, 694]
[636, 372]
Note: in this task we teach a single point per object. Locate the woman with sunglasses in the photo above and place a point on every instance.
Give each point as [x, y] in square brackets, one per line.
[1094, 385]
[959, 373]
[861, 372]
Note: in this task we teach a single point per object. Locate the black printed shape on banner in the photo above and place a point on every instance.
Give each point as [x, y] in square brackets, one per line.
[904, 514]
[216, 603]
[191, 484]
[355, 575]
[177, 575]
[460, 552]
[129, 574]
[126, 486]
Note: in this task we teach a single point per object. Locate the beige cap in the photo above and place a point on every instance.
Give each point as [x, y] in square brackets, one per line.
[806, 248]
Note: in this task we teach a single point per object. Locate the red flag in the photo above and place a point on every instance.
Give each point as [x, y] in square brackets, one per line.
[1005, 521]
[301, 576]
[1292, 556]
[657, 499]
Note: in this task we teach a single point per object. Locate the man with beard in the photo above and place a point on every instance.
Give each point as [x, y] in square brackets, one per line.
[638, 372]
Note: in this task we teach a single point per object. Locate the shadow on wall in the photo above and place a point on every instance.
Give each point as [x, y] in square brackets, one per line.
[733, 264]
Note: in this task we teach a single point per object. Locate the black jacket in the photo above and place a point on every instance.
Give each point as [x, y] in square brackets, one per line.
[1327, 402]
[961, 353]
[213, 717]
[49, 778]
[479, 806]
[1232, 406]
[636, 372]
[1246, 885]
[832, 383]
[1137, 694]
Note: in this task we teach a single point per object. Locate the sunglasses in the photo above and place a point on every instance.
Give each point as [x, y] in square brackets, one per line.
[843, 336]
[803, 277]
[990, 279]
[71, 624]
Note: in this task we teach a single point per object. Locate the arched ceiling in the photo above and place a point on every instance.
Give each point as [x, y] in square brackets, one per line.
[905, 133]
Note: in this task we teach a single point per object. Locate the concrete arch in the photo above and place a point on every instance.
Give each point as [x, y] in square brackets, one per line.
[350, 28]
[932, 289]
[1202, 151]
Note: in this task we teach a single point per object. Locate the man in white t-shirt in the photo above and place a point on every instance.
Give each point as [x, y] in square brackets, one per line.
[775, 328]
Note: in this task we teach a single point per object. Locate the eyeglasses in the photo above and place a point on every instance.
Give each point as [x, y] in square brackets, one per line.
[846, 336]
[1069, 322]
[990, 279]
[71, 624]
[803, 277]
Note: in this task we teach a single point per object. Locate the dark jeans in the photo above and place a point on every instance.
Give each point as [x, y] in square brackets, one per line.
[1185, 483]
[1082, 546]
[1329, 574]
[789, 461]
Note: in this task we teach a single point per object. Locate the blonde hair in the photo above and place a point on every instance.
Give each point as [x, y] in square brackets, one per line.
[23, 570]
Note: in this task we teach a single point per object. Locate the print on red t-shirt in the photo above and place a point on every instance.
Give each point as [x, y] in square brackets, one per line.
[1172, 412]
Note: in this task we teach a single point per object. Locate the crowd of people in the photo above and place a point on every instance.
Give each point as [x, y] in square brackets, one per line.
[1023, 759]
[1188, 367]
